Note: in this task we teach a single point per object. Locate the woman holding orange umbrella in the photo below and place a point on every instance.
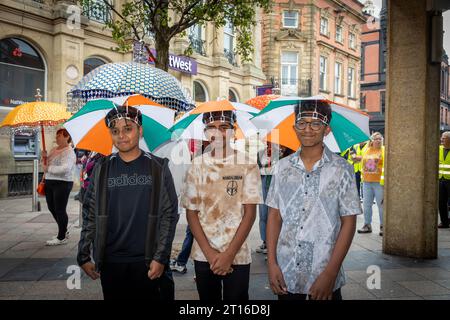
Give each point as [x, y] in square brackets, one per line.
[58, 169]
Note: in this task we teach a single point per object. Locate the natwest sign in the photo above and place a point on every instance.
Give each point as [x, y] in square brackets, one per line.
[178, 63]
[182, 64]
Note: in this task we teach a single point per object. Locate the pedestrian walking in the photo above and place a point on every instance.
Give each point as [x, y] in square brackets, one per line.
[444, 179]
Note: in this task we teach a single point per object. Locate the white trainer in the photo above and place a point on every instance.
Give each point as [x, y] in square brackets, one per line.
[67, 235]
[56, 242]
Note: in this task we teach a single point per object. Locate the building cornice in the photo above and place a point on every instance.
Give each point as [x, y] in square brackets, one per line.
[347, 9]
[25, 14]
[337, 50]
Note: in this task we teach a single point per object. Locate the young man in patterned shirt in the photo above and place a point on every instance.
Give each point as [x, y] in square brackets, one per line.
[221, 192]
[313, 204]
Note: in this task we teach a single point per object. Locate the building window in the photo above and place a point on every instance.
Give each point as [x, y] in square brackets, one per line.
[200, 92]
[339, 34]
[228, 44]
[290, 19]
[22, 71]
[289, 73]
[196, 39]
[352, 40]
[232, 96]
[91, 63]
[383, 101]
[323, 77]
[338, 78]
[97, 10]
[362, 99]
[324, 27]
[351, 82]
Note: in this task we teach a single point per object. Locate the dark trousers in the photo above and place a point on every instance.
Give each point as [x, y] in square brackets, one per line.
[358, 182]
[444, 192]
[212, 287]
[185, 252]
[296, 296]
[130, 281]
[57, 195]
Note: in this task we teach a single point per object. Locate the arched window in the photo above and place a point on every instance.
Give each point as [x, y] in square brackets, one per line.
[232, 96]
[23, 66]
[200, 92]
[90, 64]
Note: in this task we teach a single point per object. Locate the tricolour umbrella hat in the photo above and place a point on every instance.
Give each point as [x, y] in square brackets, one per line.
[348, 125]
[88, 129]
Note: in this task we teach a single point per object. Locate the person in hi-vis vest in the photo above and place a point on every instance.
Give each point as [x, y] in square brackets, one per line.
[444, 179]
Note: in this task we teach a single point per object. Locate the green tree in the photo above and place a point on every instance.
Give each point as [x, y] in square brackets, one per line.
[165, 19]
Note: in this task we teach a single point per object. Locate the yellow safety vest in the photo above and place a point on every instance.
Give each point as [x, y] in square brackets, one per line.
[444, 164]
[346, 154]
[359, 152]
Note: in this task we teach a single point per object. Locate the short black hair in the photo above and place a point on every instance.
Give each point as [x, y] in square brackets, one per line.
[319, 106]
[224, 116]
[123, 112]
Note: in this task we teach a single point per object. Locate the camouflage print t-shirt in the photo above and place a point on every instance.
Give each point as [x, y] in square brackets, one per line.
[217, 189]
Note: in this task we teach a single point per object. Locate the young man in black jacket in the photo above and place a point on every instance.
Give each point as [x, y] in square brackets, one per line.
[129, 217]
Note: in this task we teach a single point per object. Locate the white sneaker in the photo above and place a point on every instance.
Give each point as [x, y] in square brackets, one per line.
[56, 242]
[67, 235]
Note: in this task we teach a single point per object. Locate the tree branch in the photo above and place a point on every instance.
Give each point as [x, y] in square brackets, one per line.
[135, 31]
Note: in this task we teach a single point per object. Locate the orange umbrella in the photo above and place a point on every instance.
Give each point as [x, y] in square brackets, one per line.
[261, 101]
[37, 113]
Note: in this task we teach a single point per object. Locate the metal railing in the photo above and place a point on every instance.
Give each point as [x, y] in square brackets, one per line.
[97, 10]
[198, 45]
[230, 56]
[20, 184]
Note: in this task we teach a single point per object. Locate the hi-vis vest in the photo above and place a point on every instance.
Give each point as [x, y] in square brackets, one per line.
[444, 164]
[358, 151]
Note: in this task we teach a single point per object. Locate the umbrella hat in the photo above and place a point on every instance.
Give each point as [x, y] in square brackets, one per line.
[348, 125]
[88, 129]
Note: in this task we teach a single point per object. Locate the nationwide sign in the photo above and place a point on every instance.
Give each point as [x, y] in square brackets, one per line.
[178, 63]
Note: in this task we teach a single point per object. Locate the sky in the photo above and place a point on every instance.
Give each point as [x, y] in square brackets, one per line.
[446, 16]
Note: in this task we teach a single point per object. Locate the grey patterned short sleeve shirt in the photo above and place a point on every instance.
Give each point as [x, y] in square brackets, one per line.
[311, 205]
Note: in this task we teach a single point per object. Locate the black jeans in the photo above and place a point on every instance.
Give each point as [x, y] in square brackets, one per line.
[296, 296]
[444, 192]
[210, 285]
[358, 182]
[57, 195]
[130, 281]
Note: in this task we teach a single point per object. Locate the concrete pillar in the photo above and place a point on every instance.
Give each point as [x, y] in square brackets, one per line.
[411, 189]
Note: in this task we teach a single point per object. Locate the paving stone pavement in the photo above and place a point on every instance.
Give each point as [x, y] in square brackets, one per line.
[30, 270]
